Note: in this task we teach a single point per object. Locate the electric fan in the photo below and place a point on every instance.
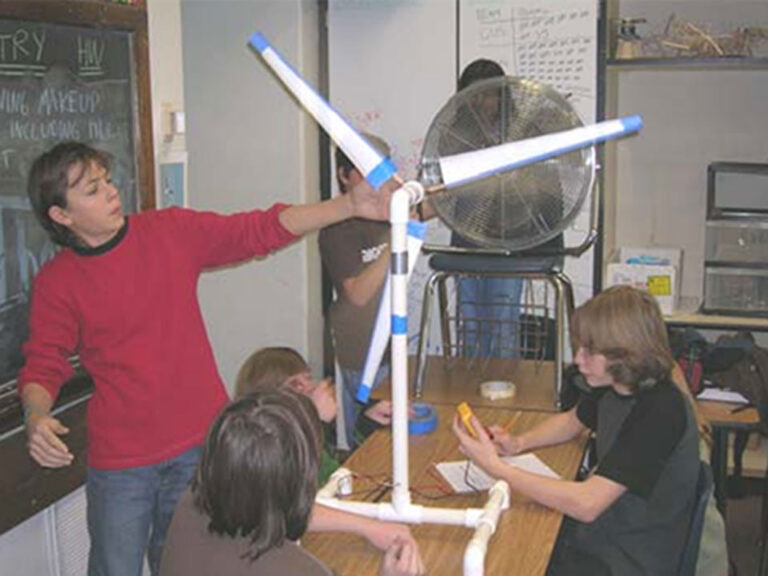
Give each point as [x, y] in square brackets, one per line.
[453, 172]
[516, 209]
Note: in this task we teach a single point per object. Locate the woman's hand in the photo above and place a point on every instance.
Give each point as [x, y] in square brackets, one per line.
[45, 446]
[373, 204]
[480, 450]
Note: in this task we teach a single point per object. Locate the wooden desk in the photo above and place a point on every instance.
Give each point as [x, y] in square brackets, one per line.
[527, 531]
[724, 421]
[455, 380]
[716, 321]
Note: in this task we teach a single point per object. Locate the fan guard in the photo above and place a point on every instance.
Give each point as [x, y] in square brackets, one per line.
[518, 209]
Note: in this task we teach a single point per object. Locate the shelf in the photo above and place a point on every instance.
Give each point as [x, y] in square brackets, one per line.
[726, 62]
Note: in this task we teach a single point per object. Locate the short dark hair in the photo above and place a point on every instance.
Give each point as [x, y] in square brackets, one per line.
[480, 69]
[48, 183]
[344, 164]
[257, 475]
[270, 367]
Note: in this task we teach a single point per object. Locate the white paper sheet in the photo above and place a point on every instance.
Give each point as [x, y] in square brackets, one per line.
[455, 472]
[720, 395]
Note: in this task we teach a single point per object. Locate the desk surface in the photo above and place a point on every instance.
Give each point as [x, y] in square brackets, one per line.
[722, 414]
[527, 531]
[716, 321]
[455, 380]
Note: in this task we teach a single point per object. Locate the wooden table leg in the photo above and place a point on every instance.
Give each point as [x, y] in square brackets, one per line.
[719, 462]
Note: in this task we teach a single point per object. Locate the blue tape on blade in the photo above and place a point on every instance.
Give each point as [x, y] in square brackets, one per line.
[259, 42]
[417, 229]
[363, 393]
[381, 173]
[424, 419]
[399, 325]
[632, 123]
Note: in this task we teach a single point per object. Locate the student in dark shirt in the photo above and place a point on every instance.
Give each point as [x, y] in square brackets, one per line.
[629, 517]
[253, 494]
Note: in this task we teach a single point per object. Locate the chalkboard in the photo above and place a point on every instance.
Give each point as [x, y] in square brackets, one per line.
[68, 71]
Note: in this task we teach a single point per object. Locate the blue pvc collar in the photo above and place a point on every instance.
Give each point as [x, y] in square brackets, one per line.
[424, 419]
[381, 173]
[399, 324]
[363, 392]
[417, 229]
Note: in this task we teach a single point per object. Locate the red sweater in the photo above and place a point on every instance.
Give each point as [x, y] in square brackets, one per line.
[131, 312]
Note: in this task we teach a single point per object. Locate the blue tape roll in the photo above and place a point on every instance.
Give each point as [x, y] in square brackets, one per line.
[424, 420]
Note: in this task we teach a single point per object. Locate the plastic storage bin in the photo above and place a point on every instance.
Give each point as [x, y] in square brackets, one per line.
[740, 241]
[736, 291]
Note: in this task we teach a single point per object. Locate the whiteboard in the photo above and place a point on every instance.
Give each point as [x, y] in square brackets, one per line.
[554, 42]
[392, 65]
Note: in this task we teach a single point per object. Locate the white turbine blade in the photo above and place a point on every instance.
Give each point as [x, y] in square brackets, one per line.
[463, 168]
[365, 157]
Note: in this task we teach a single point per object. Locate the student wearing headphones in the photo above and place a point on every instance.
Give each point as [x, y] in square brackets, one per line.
[630, 515]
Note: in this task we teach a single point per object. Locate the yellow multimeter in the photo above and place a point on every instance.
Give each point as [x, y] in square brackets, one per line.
[465, 413]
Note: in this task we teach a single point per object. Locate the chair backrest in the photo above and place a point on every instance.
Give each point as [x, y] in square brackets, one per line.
[690, 554]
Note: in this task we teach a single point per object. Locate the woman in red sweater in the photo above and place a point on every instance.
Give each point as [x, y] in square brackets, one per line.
[122, 294]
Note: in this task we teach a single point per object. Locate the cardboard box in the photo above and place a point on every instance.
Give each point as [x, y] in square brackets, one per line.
[666, 256]
[661, 281]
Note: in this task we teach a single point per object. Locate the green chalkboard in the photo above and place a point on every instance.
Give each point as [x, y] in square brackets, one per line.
[68, 71]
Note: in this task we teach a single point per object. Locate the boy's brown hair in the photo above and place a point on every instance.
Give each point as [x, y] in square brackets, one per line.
[626, 326]
[269, 367]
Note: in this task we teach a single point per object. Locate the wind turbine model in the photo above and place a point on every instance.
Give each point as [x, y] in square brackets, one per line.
[456, 170]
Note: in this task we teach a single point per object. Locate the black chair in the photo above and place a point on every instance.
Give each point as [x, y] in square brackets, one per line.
[464, 267]
[690, 555]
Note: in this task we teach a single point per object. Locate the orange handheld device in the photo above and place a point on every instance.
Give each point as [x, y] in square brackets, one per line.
[465, 413]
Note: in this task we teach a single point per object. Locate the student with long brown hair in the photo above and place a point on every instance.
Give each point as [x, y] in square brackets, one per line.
[253, 495]
[630, 515]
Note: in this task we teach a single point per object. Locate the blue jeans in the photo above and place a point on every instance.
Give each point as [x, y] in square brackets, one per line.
[352, 407]
[490, 309]
[129, 511]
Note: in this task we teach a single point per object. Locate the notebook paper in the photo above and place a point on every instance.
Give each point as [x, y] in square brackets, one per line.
[455, 472]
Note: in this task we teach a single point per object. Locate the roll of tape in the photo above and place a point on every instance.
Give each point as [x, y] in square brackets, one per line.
[497, 389]
[424, 419]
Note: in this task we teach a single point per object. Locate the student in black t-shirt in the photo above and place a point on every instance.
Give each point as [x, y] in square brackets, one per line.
[630, 515]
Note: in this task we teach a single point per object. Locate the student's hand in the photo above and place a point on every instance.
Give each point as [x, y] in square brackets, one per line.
[402, 559]
[481, 449]
[372, 204]
[381, 412]
[45, 446]
[506, 444]
[384, 534]
[323, 395]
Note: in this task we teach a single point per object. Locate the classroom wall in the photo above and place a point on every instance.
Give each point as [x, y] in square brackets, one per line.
[692, 118]
[250, 146]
